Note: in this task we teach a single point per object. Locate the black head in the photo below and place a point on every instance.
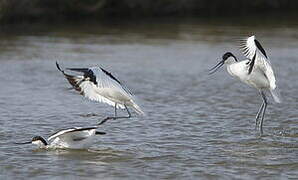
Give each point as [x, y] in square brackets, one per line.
[225, 57]
[39, 138]
[90, 74]
[35, 139]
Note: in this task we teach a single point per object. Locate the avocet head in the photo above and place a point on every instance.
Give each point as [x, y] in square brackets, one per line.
[227, 58]
[88, 73]
[37, 140]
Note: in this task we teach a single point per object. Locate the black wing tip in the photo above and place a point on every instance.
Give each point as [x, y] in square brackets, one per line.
[259, 46]
[58, 67]
[100, 133]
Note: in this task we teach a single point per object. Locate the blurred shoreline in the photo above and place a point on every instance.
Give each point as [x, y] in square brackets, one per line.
[153, 23]
[71, 11]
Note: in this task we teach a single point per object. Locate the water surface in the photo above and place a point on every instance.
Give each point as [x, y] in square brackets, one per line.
[197, 126]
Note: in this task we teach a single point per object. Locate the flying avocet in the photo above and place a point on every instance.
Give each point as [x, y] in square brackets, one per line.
[72, 138]
[256, 71]
[99, 85]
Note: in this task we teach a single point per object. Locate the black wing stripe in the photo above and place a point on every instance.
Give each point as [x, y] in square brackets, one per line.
[74, 130]
[110, 75]
[251, 64]
[100, 133]
[57, 132]
[84, 70]
[79, 138]
[115, 79]
[259, 46]
[83, 129]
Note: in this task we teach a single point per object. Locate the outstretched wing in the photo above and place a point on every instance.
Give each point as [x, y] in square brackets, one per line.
[254, 51]
[88, 85]
[73, 80]
[105, 79]
[89, 90]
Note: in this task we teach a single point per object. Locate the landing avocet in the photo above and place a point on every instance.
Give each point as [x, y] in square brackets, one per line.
[99, 85]
[72, 138]
[256, 71]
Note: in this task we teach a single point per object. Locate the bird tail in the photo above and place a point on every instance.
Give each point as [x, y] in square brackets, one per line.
[137, 109]
[276, 95]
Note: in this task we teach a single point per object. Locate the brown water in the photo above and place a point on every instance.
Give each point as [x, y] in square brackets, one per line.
[197, 126]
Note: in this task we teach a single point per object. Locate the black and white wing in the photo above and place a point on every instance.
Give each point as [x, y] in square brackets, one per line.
[107, 82]
[105, 79]
[89, 90]
[254, 51]
[60, 133]
[75, 81]
[74, 134]
[88, 85]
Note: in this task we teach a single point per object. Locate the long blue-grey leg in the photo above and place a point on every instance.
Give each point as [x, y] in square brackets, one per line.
[115, 110]
[120, 117]
[129, 115]
[259, 113]
[116, 117]
[264, 110]
[108, 118]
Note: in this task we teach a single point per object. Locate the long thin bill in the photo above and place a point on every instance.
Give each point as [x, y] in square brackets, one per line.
[216, 67]
[29, 142]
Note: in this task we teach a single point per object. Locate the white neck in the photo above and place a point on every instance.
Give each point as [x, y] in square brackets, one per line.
[39, 143]
[230, 60]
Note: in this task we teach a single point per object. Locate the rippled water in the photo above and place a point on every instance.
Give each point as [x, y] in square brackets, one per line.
[197, 126]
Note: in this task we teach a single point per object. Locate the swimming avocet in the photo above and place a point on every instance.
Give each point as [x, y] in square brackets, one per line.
[72, 138]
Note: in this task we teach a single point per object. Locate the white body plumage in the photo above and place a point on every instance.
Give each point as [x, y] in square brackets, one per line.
[256, 79]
